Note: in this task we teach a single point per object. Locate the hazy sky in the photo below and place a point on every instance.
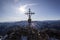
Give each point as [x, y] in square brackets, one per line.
[14, 10]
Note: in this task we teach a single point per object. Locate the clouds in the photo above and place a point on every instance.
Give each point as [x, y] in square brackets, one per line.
[44, 9]
[9, 10]
[7, 7]
[23, 8]
[16, 1]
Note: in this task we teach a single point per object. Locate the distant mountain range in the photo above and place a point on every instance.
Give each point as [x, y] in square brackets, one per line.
[36, 24]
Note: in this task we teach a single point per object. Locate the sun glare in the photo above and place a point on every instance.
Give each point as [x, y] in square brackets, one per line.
[22, 9]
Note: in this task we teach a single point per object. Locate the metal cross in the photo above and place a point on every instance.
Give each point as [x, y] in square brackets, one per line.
[29, 18]
[29, 13]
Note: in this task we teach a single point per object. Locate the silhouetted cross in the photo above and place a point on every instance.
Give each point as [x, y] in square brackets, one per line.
[29, 13]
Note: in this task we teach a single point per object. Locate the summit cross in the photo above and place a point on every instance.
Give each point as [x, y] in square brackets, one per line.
[29, 13]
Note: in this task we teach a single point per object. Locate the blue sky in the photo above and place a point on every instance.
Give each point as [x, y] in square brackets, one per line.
[43, 9]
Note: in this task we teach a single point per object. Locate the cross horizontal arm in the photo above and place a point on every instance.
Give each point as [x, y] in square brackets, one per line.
[29, 13]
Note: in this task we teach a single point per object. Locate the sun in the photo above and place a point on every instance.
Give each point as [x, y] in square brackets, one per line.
[22, 9]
